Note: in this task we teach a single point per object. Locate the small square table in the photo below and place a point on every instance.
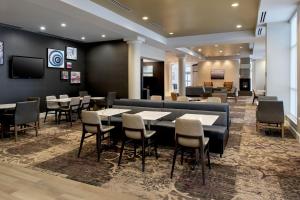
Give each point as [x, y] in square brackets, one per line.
[7, 106]
[208, 120]
[149, 116]
[109, 112]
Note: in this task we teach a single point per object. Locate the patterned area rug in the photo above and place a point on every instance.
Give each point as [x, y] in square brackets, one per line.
[254, 165]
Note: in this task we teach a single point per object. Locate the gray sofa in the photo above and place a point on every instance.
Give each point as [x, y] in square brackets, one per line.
[218, 132]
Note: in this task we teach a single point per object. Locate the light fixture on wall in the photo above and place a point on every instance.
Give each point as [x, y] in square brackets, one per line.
[145, 18]
[235, 4]
[171, 33]
[43, 28]
[199, 50]
[221, 51]
[82, 38]
[63, 25]
[103, 36]
[239, 26]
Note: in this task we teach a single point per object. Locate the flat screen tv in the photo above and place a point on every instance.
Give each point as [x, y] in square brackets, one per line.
[217, 73]
[27, 67]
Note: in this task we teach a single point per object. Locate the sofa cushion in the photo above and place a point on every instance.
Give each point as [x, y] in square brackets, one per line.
[215, 132]
[139, 103]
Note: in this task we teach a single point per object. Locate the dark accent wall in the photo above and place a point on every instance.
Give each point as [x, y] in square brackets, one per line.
[107, 68]
[23, 43]
[155, 83]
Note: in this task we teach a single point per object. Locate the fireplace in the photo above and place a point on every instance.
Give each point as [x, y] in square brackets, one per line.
[245, 84]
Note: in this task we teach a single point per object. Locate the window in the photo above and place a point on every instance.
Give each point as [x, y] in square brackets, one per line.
[188, 76]
[293, 67]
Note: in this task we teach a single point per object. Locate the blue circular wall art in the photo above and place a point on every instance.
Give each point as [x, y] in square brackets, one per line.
[56, 58]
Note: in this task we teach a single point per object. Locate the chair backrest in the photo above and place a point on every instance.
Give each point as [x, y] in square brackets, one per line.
[214, 100]
[111, 96]
[228, 85]
[63, 96]
[83, 93]
[85, 103]
[91, 121]
[51, 104]
[270, 112]
[182, 98]
[208, 83]
[26, 112]
[133, 126]
[174, 96]
[222, 96]
[74, 103]
[156, 98]
[189, 132]
[37, 99]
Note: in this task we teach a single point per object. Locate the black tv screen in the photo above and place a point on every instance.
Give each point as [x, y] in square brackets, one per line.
[27, 67]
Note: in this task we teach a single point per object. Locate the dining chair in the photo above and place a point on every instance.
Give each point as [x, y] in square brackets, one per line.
[64, 96]
[38, 100]
[83, 93]
[73, 108]
[214, 100]
[135, 132]
[108, 102]
[156, 98]
[189, 134]
[85, 103]
[25, 117]
[221, 95]
[91, 125]
[51, 107]
[183, 99]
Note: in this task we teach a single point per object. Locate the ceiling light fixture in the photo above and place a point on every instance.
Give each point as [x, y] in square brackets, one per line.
[145, 18]
[171, 33]
[63, 24]
[239, 26]
[221, 51]
[199, 50]
[241, 47]
[216, 45]
[82, 38]
[236, 4]
[103, 35]
[42, 28]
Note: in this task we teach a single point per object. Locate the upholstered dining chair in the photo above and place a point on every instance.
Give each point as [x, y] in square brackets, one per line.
[85, 104]
[64, 96]
[156, 98]
[189, 135]
[214, 100]
[183, 99]
[135, 132]
[38, 100]
[51, 107]
[91, 125]
[222, 96]
[25, 117]
[83, 93]
[73, 108]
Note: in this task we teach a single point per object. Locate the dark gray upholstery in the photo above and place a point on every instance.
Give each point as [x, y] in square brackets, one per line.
[267, 98]
[26, 112]
[83, 93]
[270, 112]
[139, 103]
[192, 91]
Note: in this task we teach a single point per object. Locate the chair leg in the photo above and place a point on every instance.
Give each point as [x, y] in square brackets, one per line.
[181, 160]
[203, 165]
[143, 155]
[155, 149]
[282, 130]
[208, 158]
[45, 116]
[36, 128]
[174, 160]
[81, 143]
[59, 117]
[134, 154]
[16, 133]
[121, 152]
[70, 117]
[98, 146]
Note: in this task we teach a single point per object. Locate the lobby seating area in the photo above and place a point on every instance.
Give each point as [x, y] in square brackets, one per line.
[160, 99]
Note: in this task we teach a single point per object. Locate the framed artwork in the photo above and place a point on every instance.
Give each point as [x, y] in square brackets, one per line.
[217, 73]
[75, 77]
[1, 53]
[64, 75]
[56, 58]
[71, 53]
[69, 65]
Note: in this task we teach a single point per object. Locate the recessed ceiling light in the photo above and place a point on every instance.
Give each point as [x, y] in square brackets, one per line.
[145, 18]
[83, 38]
[239, 26]
[241, 47]
[42, 28]
[171, 33]
[221, 51]
[63, 24]
[216, 45]
[236, 4]
[103, 35]
[199, 50]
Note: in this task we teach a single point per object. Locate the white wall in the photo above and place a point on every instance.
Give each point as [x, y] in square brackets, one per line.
[148, 51]
[231, 68]
[278, 61]
[259, 74]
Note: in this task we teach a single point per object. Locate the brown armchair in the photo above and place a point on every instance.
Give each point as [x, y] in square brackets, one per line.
[228, 85]
[208, 84]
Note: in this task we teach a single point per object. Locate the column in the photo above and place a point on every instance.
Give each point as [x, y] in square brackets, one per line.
[134, 68]
[181, 75]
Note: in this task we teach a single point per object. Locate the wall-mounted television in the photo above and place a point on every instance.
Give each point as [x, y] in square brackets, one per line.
[27, 67]
[217, 73]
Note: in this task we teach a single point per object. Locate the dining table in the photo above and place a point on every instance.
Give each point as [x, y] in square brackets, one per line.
[7, 106]
[109, 112]
[67, 100]
[207, 120]
[149, 116]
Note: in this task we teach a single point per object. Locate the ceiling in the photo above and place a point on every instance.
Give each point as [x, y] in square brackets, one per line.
[30, 15]
[218, 50]
[189, 17]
